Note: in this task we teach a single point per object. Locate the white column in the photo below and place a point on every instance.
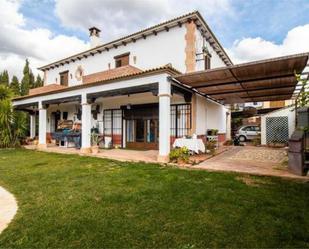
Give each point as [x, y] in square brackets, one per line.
[42, 126]
[86, 125]
[32, 125]
[164, 120]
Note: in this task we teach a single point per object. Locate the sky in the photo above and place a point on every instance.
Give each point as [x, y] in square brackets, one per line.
[47, 30]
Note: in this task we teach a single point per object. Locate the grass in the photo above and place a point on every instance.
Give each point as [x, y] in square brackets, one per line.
[68, 201]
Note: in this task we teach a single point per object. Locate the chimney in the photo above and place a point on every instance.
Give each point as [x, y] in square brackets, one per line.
[94, 34]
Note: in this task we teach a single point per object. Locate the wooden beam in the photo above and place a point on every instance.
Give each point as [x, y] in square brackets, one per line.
[125, 91]
[62, 100]
[251, 90]
[244, 81]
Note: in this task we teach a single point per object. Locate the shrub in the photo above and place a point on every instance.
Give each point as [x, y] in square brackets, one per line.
[180, 155]
[256, 141]
[211, 146]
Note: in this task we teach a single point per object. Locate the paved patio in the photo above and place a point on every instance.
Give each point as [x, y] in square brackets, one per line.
[149, 156]
[251, 160]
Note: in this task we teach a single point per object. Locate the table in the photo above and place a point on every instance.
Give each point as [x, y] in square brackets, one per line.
[193, 144]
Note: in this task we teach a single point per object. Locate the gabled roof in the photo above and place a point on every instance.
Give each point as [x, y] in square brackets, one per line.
[111, 74]
[164, 26]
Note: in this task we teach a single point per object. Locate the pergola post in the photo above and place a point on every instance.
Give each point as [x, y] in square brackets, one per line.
[86, 125]
[164, 120]
[42, 126]
[32, 125]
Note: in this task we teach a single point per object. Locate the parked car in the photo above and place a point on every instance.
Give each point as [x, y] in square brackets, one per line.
[248, 132]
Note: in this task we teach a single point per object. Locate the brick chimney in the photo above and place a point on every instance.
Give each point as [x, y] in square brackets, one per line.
[94, 34]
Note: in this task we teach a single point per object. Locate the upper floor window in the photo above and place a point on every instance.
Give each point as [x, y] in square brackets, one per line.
[64, 78]
[207, 59]
[122, 60]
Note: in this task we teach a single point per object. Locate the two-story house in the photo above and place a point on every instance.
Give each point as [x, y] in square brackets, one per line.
[123, 88]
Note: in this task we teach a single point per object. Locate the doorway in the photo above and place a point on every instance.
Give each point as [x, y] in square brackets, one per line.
[142, 134]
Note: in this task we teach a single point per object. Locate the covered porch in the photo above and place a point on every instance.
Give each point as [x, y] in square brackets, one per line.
[144, 114]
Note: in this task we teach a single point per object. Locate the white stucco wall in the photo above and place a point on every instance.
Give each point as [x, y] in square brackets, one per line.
[284, 112]
[215, 61]
[209, 115]
[154, 51]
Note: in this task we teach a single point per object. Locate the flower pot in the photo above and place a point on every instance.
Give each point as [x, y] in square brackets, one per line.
[95, 149]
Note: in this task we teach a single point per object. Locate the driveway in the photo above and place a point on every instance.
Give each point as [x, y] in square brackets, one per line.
[251, 160]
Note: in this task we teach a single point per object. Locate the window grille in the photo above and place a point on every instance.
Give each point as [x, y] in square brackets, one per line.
[180, 120]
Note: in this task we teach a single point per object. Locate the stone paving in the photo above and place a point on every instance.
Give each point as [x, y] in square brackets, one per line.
[8, 208]
[251, 160]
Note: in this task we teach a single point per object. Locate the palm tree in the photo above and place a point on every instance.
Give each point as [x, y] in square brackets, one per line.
[12, 123]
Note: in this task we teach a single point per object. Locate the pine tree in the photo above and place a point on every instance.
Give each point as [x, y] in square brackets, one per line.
[4, 78]
[15, 87]
[38, 81]
[26, 81]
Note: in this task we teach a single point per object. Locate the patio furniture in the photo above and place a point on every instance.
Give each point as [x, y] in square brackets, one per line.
[67, 138]
[193, 144]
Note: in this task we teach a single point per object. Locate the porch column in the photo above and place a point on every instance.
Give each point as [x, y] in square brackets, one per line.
[42, 126]
[86, 125]
[164, 120]
[32, 125]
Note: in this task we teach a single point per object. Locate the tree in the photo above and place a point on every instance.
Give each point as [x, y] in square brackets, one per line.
[26, 81]
[38, 81]
[32, 80]
[4, 78]
[15, 87]
[12, 123]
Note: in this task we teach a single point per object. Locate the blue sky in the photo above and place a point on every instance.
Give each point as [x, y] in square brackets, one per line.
[269, 19]
[53, 29]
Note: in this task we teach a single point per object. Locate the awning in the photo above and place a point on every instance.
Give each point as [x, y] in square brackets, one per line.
[265, 80]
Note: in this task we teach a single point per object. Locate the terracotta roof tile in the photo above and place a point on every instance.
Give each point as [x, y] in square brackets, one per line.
[111, 74]
[58, 88]
[45, 89]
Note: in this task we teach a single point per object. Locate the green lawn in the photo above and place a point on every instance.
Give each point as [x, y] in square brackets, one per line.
[81, 202]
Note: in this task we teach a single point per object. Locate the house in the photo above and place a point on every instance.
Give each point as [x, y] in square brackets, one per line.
[123, 89]
[138, 89]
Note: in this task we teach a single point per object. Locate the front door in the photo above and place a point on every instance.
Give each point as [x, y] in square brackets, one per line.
[142, 134]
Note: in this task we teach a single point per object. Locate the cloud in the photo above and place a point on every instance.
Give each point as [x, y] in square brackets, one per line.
[40, 46]
[120, 17]
[250, 49]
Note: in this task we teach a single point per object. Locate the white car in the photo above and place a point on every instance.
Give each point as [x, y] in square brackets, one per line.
[248, 132]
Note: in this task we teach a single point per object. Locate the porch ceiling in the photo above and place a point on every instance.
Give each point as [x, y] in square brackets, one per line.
[265, 80]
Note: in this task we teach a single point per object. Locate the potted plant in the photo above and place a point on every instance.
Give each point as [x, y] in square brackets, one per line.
[94, 143]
